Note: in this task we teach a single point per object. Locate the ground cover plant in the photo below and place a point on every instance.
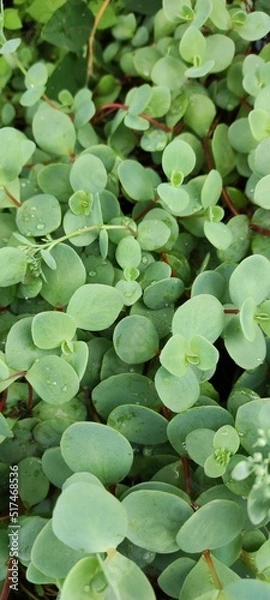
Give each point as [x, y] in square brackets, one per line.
[134, 299]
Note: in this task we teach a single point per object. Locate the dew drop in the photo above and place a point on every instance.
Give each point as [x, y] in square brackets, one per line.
[54, 382]
[92, 273]
[64, 388]
[40, 226]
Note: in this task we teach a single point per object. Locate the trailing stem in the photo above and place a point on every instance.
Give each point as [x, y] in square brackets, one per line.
[212, 570]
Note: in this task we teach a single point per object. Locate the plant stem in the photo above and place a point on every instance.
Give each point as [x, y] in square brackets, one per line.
[50, 245]
[118, 105]
[228, 202]
[212, 570]
[259, 229]
[12, 198]
[92, 38]
[185, 464]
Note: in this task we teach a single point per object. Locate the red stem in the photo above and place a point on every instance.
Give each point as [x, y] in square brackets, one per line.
[110, 107]
[212, 570]
[185, 463]
[12, 198]
[228, 202]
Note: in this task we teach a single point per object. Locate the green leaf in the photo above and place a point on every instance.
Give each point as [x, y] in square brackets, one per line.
[54, 180]
[205, 351]
[49, 329]
[20, 349]
[5, 431]
[128, 252]
[88, 518]
[10, 46]
[199, 583]
[218, 234]
[174, 575]
[154, 517]
[201, 532]
[76, 354]
[248, 422]
[33, 483]
[169, 72]
[55, 467]
[117, 575]
[209, 417]
[199, 444]
[173, 356]
[201, 315]
[136, 180]
[212, 188]
[163, 293]
[144, 337]
[69, 26]
[88, 174]
[261, 192]
[247, 589]
[15, 151]
[237, 250]
[54, 380]
[39, 215]
[250, 279]
[114, 391]
[200, 114]
[97, 448]
[152, 234]
[139, 424]
[178, 157]
[192, 46]
[69, 275]
[95, 306]
[13, 266]
[220, 49]
[256, 25]
[53, 131]
[247, 354]
[223, 153]
[177, 393]
[46, 551]
[247, 319]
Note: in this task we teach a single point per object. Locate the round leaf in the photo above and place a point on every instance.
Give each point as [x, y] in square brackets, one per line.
[178, 157]
[88, 174]
[136, 180]
[95, 306]
[13, 266]
[53, 130]
[88, 518]
[139, 424]
[177, 393]
[115, 390]
[97, 448]
[46, 551]
[33, 483]
[54, 380]
[201, 315]
[63, 281]
[49, 329]
[212, 526]
[135, 339]
[247, 354]
[154, 517]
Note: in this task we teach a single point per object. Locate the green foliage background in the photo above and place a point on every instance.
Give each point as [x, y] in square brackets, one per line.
[135, 298]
